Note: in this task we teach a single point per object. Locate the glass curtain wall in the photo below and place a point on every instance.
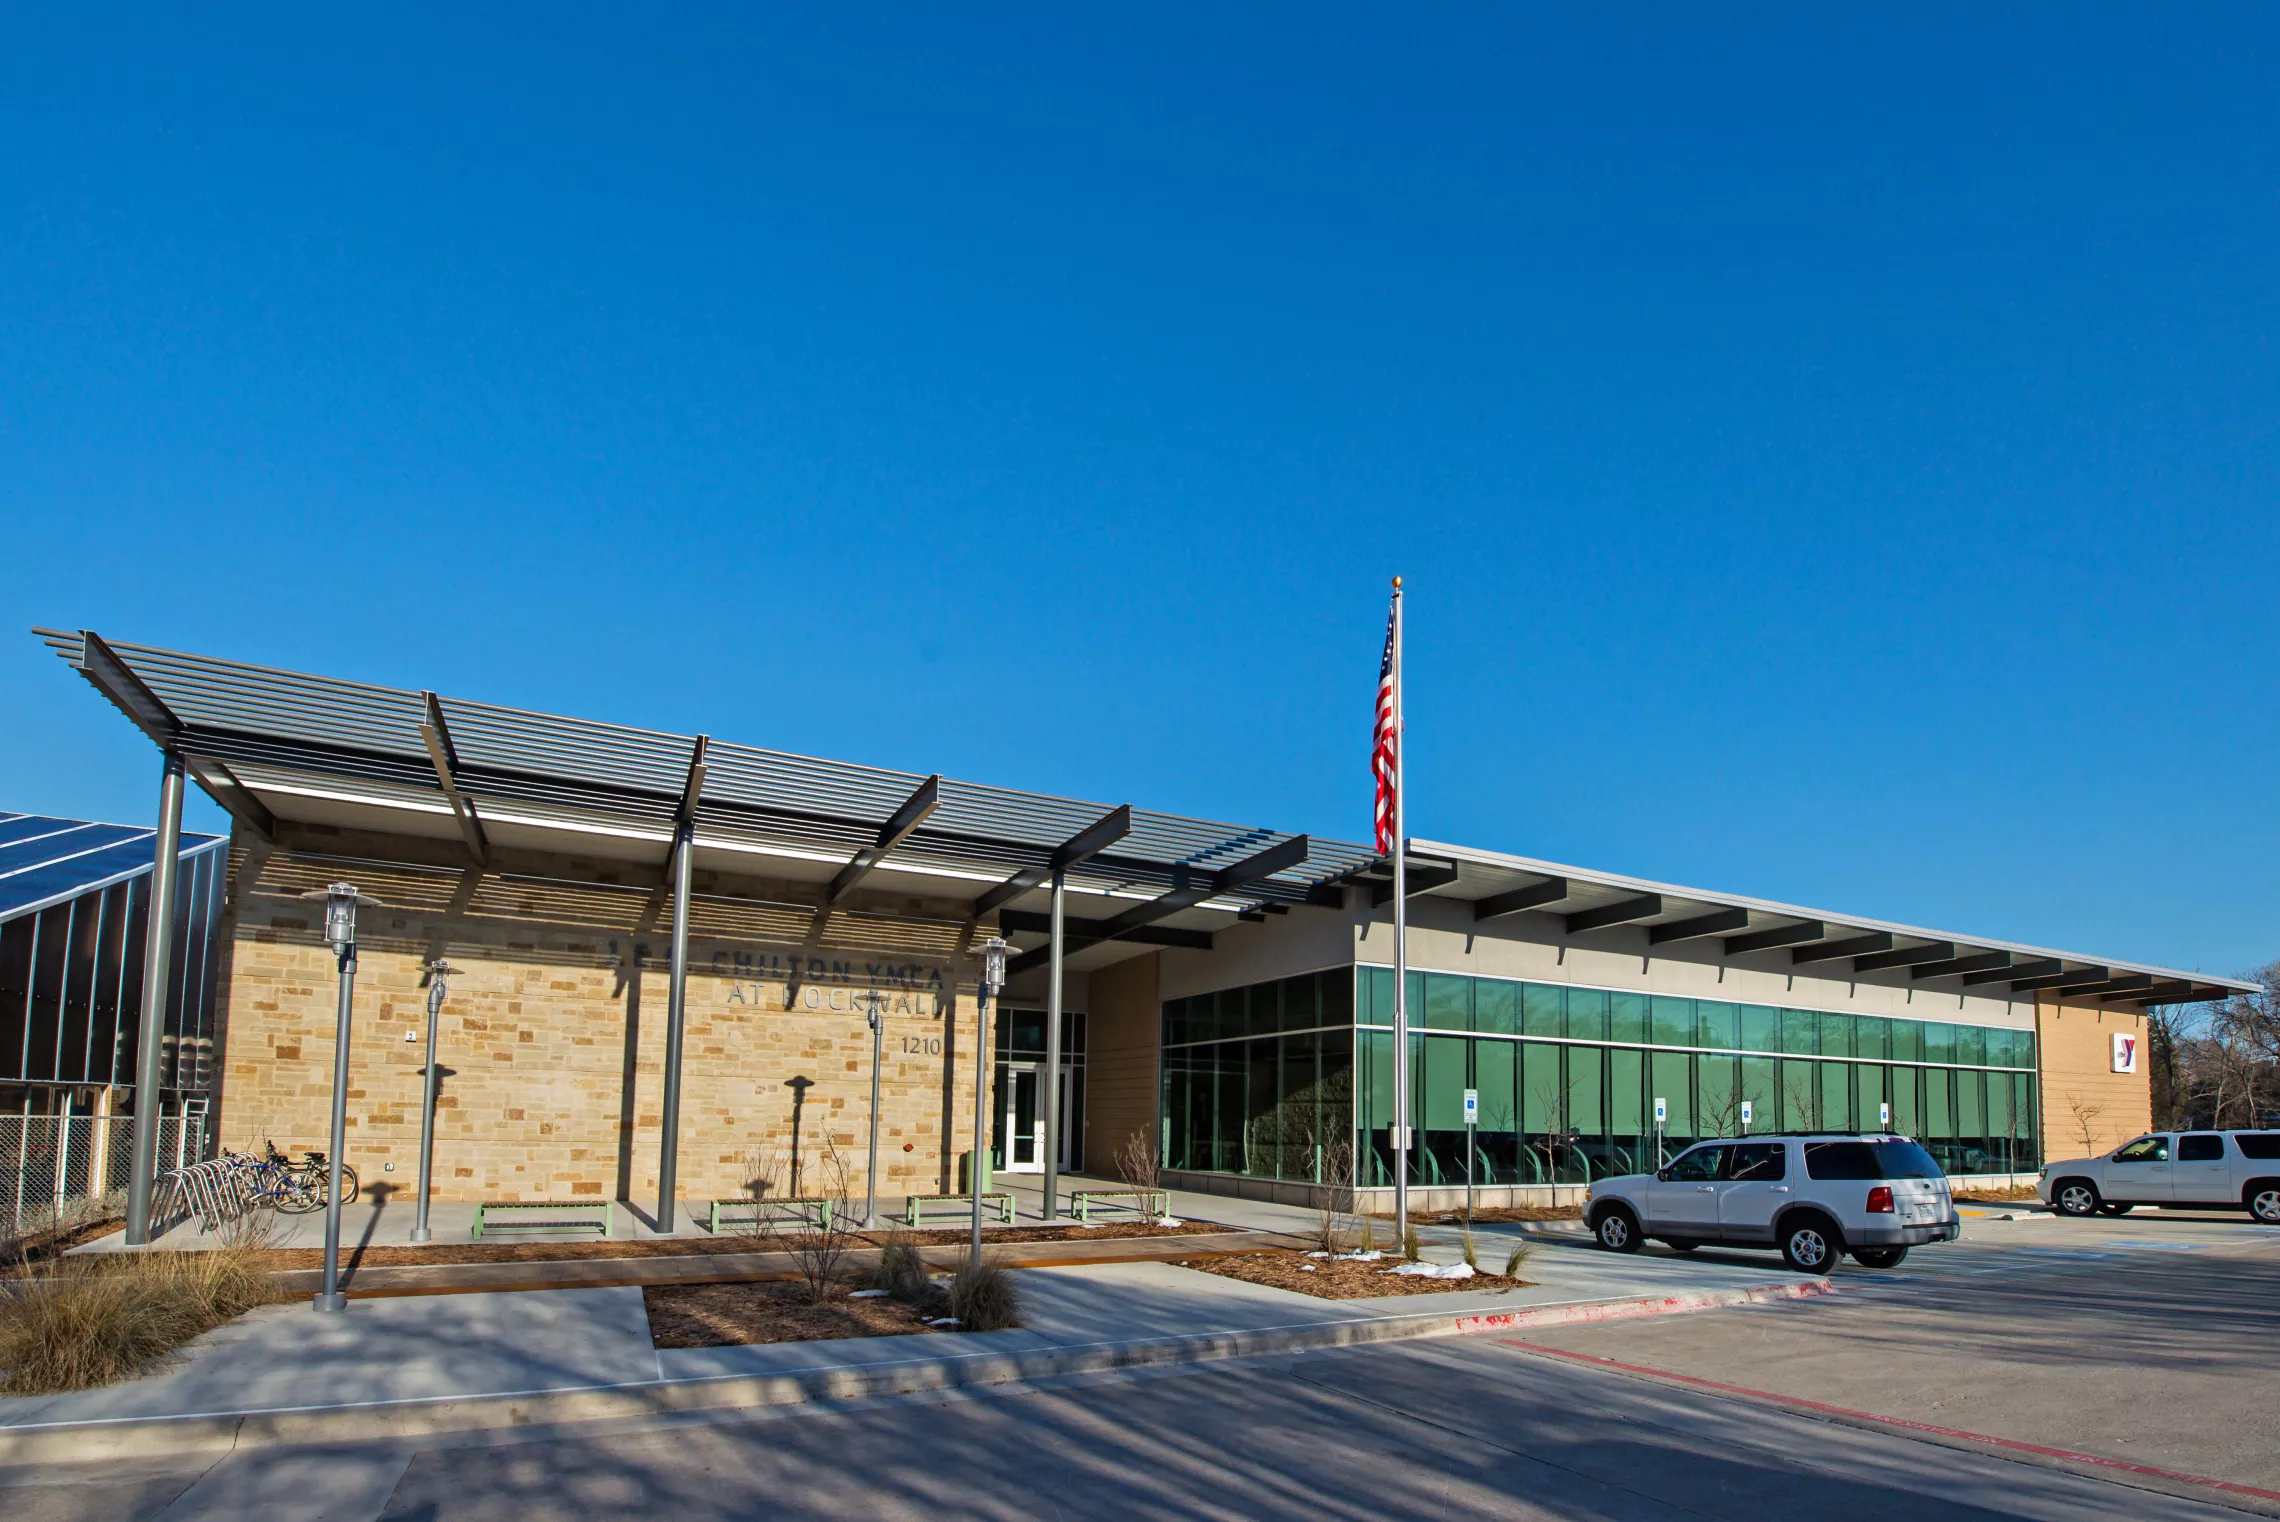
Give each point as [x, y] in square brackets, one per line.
[71, 988]
[1260, 1080]
[1257, 1080]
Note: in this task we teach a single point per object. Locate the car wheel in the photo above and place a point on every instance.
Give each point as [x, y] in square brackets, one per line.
[1879, 1257]
[2108, 1207]
[1810, 1244]
[1617, 1230]
[2264, 1201]
[2075, 1196]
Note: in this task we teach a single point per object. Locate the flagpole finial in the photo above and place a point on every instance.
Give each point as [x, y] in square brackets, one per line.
[1397, 583]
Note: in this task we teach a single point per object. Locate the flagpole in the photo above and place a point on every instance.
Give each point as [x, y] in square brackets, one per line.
[1400, 939]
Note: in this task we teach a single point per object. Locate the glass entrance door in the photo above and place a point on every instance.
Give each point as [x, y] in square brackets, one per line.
[1021, 1122]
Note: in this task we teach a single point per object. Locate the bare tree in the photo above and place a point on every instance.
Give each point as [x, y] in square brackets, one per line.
[1139, 1164]
[1337, 1228]
[818, 1243]
[2085, 1114]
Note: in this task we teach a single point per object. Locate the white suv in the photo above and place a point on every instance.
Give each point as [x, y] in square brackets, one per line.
[2236, 1170]
[1815, 1197]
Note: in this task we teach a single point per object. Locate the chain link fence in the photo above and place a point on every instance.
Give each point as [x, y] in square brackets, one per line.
[58, 1168]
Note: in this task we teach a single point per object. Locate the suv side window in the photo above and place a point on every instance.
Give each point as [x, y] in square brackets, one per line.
[1699, 1166]
[1756, 1162]
[1842, 1160]
[2264, 1145]
[2206, 1147]
[2146, 1149]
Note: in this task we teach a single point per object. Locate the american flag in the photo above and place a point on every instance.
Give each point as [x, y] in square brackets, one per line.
[1383, 744]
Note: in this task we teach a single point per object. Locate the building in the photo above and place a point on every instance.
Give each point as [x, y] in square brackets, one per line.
[1226, 995]
[74, 933]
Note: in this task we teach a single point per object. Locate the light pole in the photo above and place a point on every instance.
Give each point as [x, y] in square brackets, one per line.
[878, 1018]
[437, 972]
[993, 979]
[340, 901]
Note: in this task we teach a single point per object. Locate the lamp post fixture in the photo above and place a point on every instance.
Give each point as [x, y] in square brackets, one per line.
[878, 1019]
[438, 971]
[993, 979]
[340, 900]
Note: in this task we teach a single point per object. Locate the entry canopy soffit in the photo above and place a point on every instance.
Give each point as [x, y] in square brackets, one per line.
[1774, 935]
[273, 745]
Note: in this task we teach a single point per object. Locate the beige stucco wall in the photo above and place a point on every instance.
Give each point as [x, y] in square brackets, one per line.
[553, 1036]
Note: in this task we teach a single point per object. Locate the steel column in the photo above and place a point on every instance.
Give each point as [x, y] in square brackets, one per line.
[878, 1014]
[437, 972]
[1400, 941]
[330, 1298]
[676, 1023]
[158, 967]
[1053, 1054]
[977, 1166]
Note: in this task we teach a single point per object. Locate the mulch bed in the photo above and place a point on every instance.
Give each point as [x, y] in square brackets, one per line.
[2014, 1196]
[1506, 1215]
[727, 1315]
[700, 1247]
[56, 1244]
[1340, 1278]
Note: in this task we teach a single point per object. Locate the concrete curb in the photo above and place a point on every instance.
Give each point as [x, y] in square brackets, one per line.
[570, 1406]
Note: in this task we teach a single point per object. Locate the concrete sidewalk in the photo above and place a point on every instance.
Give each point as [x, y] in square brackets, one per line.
[428, 1364]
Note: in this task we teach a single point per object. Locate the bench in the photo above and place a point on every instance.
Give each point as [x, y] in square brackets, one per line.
[758, 1212]
[915, 1208]
[1154, 1203]
[553, 1215]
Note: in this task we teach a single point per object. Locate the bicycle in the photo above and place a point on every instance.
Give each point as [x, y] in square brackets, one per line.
[282, 1186]
[313, 1171]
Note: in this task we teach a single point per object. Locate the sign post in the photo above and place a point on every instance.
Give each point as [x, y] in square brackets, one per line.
[1662, 1114]
[1472, 1120]
[1745, 1117]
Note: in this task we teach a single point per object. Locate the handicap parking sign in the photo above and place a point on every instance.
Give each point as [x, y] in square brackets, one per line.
[1472, 1107]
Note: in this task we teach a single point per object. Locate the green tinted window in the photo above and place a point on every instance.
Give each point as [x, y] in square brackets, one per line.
[1673, 1022]
[1720, 1025]
[1970, 1104]
[1627, 1017]
[1670, 1078]
[1971, 1046]
[1800, 1096]
[1234, 1012]
[1627, 1113]
[1376, 1002]
[1907, 1041]
[1416, 1001]
[1586, 1072]
[1586, 1014]
[1908, 1101]
[1801, 1032]
[1496, 1007]
[1761, 1090]
[2022, 1106]
[1836, 1096]
[1868, 1093]
[1718, 1078]
[1939, 1043]
[1761, 1028]
[1543, 1010]
[1998, 1103]
[1541, 1092]
[1939, 1103]
[1872, 1037]
[1443, 1083]
[1836, 1035]
[1493, 1075]
[1266, 1009]
[1448, 1003]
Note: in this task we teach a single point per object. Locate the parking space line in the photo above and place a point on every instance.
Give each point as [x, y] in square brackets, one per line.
[1797, 1402]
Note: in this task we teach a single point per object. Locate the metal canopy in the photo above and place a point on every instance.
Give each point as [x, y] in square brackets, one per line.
[270, 744]
[1654, 916]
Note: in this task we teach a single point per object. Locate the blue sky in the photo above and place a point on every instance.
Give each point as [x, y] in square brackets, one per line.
[1833, 459]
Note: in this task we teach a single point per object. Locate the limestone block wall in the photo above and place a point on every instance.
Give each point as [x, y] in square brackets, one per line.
[1123, 1034]
[2087, 1107]
[552, 1038]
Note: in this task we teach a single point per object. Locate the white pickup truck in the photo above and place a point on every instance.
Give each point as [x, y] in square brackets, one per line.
[2239, 1170]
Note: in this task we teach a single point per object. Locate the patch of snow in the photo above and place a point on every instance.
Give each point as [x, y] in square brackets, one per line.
[1308, 1268]
[1360, 1257]
[1434, 1270]
[865, 1294]
[1318, 1253]
[943, 1321]
[1168, 1220]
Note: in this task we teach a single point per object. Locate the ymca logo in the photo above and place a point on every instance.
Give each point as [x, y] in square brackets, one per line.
[2125, 1052]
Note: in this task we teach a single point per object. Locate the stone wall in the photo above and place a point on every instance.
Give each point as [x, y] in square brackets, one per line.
[2087, 1107]
[552, 1037]
[1123, 1031]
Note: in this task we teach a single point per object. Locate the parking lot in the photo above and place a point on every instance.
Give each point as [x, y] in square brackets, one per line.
[2147, 1338]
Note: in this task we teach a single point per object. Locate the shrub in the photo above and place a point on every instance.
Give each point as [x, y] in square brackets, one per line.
[1409, 1243]
[901, 1271]
[96, 1319]
[1472, 1252]
[983, 1298]
[1518, 1259]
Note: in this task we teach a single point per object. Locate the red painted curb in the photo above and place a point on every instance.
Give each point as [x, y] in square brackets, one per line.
[1653, 1305]
[1798, 1402]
